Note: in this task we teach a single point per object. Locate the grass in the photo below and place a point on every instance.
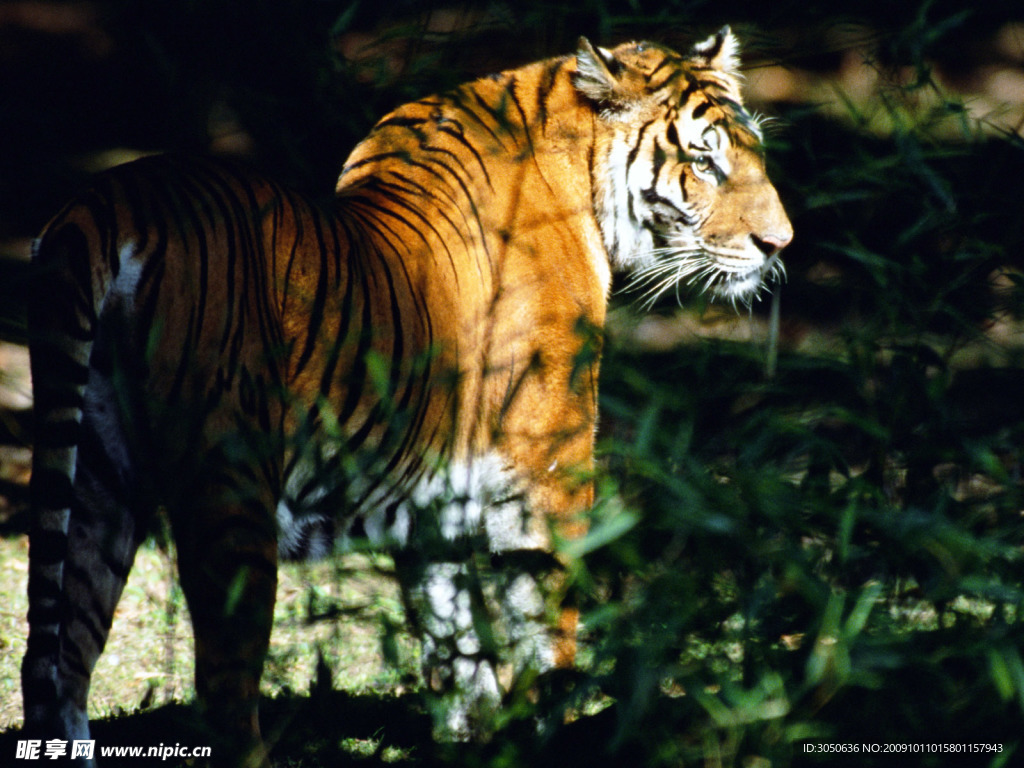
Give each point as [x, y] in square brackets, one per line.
[333, 610]
[13, 627]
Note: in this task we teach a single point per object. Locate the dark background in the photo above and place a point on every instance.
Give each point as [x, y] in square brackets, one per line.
[804, 508]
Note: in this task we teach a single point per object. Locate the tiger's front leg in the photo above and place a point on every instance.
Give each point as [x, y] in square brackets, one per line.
[481, 628]
[476, 583]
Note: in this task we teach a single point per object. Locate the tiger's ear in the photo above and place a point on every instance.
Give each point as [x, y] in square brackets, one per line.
[594, 78]
[721, 51]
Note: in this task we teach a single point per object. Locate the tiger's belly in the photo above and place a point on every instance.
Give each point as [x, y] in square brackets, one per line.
[327, 505]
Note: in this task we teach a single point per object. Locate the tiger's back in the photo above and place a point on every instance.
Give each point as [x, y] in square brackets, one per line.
[414, 362]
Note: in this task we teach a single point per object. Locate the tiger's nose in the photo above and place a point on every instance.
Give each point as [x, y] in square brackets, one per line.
[770, 244]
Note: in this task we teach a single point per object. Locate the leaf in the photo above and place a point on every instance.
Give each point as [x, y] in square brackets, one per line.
[605, 531]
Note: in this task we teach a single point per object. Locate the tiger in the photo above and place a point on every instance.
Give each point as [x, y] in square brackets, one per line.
[414, 363]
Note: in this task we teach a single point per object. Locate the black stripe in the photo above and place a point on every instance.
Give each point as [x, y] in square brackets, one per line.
[91, 616]
[665, 62]
[50, 488]
[387, 191]
[499, 116]
[344, 316]
[398, 121]
[458, 136]
[545, 90]
[699, 111]
[293, 254]
[423, 193]
[672, 135]
[513, 84]
[71, 658]
[319, 305]
[41, 646]
[149, 287]
[658, 160]
[374, 159]
[357, 379]
[465, 109]
[459, 205]
[55, 370]
[230, 210]
[46, 548]
[63, 434]
[635, 149]
[192, 192]
[670, 79]
[186, 361]
[268, 321]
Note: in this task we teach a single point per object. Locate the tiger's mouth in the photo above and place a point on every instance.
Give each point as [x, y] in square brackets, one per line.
[733, 274]
[742, 280]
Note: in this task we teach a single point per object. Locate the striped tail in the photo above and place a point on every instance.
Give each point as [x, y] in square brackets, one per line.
[68, 292]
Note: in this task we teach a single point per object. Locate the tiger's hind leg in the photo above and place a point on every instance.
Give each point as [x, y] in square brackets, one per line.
[227, 560]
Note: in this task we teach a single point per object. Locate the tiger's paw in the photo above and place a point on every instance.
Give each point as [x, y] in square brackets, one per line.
[466, 707]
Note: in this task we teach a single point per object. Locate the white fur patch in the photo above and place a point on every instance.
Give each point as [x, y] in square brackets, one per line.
[624, 241]
[129, 276]
[453, 651]
[477, 698]
[477, 498]
[727, 58]
[522, 608]
[481, 497]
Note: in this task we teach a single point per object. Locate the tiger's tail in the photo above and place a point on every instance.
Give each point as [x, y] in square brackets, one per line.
[71, 277]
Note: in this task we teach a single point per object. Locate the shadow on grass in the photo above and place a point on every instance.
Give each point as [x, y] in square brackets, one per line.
[341, 729]
[332, 729]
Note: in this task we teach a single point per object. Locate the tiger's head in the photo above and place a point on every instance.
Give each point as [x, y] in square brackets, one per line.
[681, 191]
